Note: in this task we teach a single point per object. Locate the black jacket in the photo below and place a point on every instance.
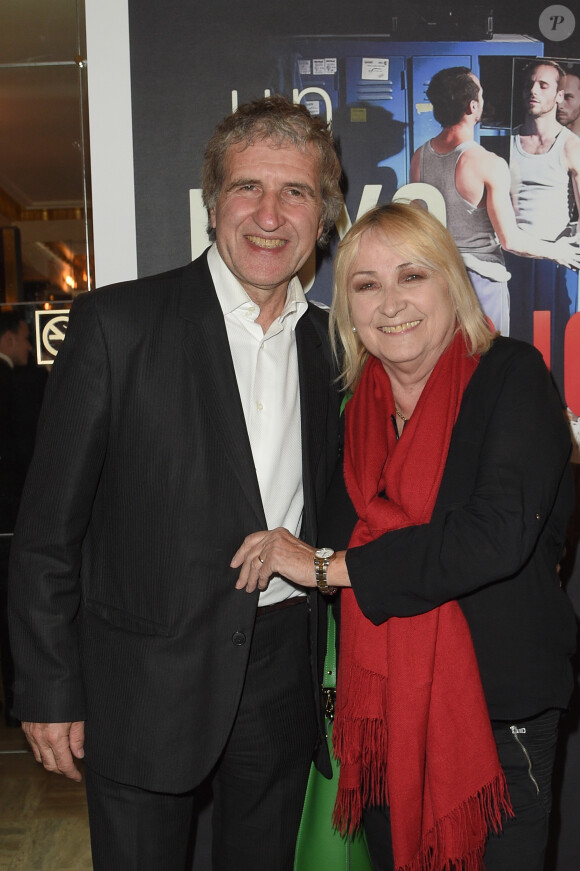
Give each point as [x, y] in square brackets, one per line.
[495, 537]
[142, 487]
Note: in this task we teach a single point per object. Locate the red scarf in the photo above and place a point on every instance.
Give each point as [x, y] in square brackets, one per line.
[412, 729]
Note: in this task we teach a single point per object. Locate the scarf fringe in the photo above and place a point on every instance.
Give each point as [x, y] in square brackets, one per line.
[360, 744]
[347, 813]
[457, 841]
[371, 736]
[358, 683]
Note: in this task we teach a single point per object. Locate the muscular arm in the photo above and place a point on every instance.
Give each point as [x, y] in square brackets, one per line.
[572, 157]
[479, 172]
[496, 177]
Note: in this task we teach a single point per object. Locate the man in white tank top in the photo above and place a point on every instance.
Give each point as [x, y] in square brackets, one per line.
[475, 184]
[544, 162]
[544, 155]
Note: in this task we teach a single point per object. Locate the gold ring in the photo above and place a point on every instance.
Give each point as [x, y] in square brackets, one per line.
[260, 558]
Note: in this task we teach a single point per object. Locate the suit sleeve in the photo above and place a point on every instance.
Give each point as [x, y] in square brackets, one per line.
[520, 458]
[44, 591]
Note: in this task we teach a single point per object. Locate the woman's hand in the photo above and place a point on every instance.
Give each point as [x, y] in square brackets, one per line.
[273, 552]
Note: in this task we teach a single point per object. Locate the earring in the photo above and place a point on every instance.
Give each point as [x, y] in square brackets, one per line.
[354, 329]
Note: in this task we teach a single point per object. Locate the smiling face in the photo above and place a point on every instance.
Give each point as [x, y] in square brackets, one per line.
[268, 215]
[541, 93]
[402, 310]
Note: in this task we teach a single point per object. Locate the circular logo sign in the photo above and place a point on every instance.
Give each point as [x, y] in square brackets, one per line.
[557, 23]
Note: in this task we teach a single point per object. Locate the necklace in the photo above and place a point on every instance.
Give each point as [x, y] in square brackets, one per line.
[402, 416]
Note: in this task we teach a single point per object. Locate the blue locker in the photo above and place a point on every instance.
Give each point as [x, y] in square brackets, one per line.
[376, 117]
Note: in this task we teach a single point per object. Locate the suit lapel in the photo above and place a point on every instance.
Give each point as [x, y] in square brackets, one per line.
[207, 349]
[314, 377]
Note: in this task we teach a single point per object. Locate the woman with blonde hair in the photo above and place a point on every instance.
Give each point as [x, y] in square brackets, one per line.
[445, 526]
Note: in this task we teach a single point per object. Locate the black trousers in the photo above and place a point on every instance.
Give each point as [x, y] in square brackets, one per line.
[526, 751]
[258, 784]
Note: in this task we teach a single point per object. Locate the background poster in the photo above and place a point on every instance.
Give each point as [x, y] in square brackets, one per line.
[367, 63]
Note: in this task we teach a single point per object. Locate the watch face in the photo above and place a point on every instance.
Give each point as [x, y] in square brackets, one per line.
[324, 553]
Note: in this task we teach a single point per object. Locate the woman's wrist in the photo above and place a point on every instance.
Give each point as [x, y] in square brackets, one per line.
[337, 572]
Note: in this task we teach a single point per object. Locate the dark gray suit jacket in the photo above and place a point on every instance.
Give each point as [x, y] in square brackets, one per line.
[124, 612]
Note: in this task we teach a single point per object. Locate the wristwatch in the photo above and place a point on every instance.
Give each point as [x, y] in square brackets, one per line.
[322, 558]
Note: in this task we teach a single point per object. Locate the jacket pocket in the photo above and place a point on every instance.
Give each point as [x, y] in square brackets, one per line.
[124, 620]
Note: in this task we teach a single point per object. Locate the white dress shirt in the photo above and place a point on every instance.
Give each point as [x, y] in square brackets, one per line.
[266, 366]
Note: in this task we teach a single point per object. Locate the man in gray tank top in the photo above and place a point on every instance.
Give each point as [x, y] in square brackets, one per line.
[475, 184]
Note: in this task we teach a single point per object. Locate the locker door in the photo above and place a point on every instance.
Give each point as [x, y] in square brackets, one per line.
[422, 69]
[318, 74]
[372, 127]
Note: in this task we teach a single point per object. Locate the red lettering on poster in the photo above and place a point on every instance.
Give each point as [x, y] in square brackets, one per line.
[572, 363]
[542, 335]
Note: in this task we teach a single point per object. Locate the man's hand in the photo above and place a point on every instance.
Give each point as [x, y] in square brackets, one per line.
[567, 252]
[57, 745]
[276, 551]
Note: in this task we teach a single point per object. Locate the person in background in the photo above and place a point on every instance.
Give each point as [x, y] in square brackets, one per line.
[184, 410]
[475, 184]
[544, 166]
[20, 398]
[444, 529]
[568, 112]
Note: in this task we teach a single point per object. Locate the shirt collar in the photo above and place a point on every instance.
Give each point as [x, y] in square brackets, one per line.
[231, 295]
[6, 360]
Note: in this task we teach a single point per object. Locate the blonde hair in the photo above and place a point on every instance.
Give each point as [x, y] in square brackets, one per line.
[409, 228]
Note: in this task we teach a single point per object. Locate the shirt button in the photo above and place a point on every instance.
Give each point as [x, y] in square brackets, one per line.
[259, 406]
[238, 639]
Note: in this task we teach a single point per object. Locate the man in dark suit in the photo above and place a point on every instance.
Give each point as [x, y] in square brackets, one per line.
[184, 411]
